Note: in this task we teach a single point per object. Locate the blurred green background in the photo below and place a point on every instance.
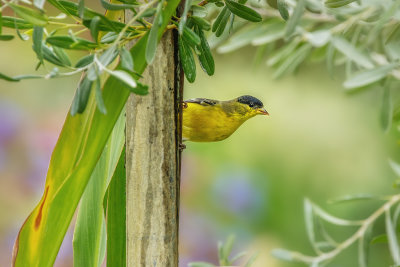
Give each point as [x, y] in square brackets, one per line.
[318, 142]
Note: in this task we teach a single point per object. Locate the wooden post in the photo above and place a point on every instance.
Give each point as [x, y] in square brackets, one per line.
[153, 163]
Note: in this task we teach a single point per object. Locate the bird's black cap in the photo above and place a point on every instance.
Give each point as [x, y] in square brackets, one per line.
[250, 100]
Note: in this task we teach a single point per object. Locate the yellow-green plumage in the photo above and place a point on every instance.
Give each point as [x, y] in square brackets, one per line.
[206, 120]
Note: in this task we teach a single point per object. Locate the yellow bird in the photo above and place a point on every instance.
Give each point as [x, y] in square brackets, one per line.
[207, 120]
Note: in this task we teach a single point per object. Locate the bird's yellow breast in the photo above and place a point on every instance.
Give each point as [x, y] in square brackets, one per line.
[208, 123]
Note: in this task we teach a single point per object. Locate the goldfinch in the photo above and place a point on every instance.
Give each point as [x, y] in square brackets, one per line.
[207, 120]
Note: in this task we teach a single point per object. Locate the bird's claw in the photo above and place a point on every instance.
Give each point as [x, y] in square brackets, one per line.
[184, 105]
[181, 147]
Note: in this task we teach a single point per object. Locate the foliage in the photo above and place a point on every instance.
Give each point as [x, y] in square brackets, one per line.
[361, 36]
[224, 251]
[327, 248]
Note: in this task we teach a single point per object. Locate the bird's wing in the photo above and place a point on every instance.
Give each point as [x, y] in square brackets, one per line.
[202, 101]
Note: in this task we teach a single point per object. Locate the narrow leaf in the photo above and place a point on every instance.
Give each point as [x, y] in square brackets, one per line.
[352, 52]
[6, 37]
[94, 28]
[81, 96]
[63, 57]
[124, 77]
[30, 15]
[200, 264]
[190, 37]
[11, 22]
[8, 78]
[126, 59]
[81, 9]
[37, 37]
[68, 42]
[187, 60]
[99, 98]
[205, 56]
[202, 23]
[182, 22]
[220, 23]
[283, 9]
[366, 77]
[338, 3]
[111, 6]
[152, 40]
[243, 11]
[392, 238]
[84, 61]
[294, 20]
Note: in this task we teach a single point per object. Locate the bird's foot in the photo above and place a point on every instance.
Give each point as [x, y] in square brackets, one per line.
[184, 105]
[182, 147]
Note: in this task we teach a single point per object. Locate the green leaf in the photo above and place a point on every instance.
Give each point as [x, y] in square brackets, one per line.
[283, 9]
[251, 260]
[37, 42]
[90, 219]
[62, 56]
[8, 78]
[11, 22]
[352, 52]
[6, 37]
[68, 42]
[50, 56]
[337, 3]
[182, 22]
[125, 77]
[81, 9]
[190, 37]
[39, 3]
[355, 197]
[395, 167]
[1, 23]
[366, 77]
[84, 61]
[152, 40]
[283, 254]
[220, 23]
[392, 238]
[116, 216]
[243, 11]
[272, 33]
[110, 6]
[81, 143]
[187, 60]
[94, 28]
[309, 221]
[99, 98]
[81, 97]
[386, 109]
[126, 59]
[227, 249]
[294, 20]
[205, 56]
[318, 38]
[30, 15]
[202, 23]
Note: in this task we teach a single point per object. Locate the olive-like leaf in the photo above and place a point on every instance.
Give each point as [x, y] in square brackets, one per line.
[8, 78]
[294, 19]
[151, 46]
[111, 6]
[353, 53]
[337, 3]
[94, 28]
[11, 22]
[126, 59]
[187, 60]
[81, 8]
[39, 3]
[50, 56]
[99, 97]
[243, 11]
[182, 22]
[221, 21]
[62, 56]
[30, 15]
[81, 96]
[37, 37]
[283, 9]
[68, 42]
[205, 56]
[366, 77]
[392, 238]
[190, 37]
[6, 37]
[202, 23]
[84, 61]
[123, 76]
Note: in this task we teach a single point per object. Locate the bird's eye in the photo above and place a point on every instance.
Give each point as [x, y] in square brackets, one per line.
[251, 105]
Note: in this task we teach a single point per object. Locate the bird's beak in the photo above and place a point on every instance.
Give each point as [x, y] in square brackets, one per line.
[262, 111]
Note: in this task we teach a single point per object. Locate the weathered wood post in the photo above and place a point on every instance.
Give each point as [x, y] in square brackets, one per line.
[153, 162]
